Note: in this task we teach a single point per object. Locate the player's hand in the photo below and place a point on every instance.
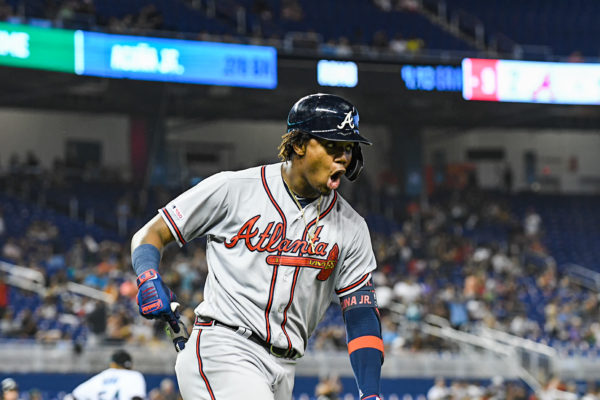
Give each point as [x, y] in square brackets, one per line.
[154, 298]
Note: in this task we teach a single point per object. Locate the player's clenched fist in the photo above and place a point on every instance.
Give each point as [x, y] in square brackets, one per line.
[154, 297]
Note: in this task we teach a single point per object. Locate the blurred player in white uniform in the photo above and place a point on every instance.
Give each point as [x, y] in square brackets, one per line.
[118, 382]
[280, 243]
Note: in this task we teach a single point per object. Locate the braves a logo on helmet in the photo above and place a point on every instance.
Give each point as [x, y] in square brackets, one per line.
[348, 120]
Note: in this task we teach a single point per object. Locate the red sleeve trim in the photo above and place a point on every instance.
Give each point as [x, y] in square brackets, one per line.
[173, 225]
[358, 283]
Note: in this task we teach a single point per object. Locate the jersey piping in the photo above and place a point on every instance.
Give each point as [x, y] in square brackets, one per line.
[297, 270]
[352, 286]
[174, 227]
[275, 267]
[200, 370]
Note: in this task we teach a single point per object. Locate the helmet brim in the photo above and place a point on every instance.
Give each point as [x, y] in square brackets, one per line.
[340, 136]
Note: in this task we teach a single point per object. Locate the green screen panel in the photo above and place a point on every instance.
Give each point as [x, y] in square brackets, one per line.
[41, 48]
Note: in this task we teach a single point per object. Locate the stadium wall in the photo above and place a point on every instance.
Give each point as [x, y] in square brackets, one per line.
[241, 143]
[566, 161]
[46, 134]
[246, 143]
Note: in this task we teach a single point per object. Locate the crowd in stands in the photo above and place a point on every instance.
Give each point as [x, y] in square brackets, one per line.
[371, 28]
[259, 22]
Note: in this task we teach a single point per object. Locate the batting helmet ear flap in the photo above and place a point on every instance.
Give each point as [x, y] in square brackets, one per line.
[356, 164]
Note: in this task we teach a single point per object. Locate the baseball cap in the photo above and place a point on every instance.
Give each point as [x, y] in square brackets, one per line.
[122, 358]
[9, 384]
[326, 116]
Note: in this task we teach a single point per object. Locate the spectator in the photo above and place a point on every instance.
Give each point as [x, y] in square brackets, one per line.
[27, 324]
[12, 251]
[576, 57]
[35, 394]
[514, 391]
[9, 326]
[329, 47]
[398, 44]
[6, 10]
[262, 9]
[496, 390]
[414, 45]
[66, 10]
[328, 388]
[155, 394]
[439, 390]
[532, 223]
[292, 10]
[149, 18]
[96, 322]
[591, 393]
[408, 290]
[343, 47]
[380, 41]
[556, 389]
[10, 389]
[118, 327]
[168, 390]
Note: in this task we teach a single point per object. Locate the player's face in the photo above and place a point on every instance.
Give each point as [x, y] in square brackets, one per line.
[325, 162]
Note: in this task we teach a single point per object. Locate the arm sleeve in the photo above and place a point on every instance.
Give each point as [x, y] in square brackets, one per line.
[358, 262]
[196, 211]
[363, 333]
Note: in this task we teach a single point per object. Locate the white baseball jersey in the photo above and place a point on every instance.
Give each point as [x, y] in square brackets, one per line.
[263, 274]
[112, 384]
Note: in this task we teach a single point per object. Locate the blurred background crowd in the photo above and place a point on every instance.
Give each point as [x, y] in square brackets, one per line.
[464, 256]
[471, 256]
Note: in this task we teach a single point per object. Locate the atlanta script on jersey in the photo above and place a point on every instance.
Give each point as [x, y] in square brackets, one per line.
[263, 273]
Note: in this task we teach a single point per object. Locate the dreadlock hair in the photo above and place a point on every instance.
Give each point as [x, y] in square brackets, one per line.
[294, 137]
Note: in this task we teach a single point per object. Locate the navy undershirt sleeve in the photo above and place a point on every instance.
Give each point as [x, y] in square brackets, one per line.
[362, 323]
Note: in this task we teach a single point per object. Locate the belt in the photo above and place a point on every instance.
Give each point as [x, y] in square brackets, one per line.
[248, 334]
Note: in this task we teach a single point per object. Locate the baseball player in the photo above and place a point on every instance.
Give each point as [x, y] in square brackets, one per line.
[118, 382]
[280, 242]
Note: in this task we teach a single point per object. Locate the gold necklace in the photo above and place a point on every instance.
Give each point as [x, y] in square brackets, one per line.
[311, 236]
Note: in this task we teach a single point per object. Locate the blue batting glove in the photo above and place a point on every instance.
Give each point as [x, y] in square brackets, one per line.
[154, 298]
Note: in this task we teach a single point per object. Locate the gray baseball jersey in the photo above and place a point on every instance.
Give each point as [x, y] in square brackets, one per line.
[264, 274]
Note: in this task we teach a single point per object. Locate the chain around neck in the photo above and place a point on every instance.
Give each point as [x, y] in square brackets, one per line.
[311, 236]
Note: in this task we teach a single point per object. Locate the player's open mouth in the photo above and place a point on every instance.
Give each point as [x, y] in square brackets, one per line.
[334, 180]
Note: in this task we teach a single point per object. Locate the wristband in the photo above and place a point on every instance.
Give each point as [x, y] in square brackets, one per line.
[145, 257]
[146, 276]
